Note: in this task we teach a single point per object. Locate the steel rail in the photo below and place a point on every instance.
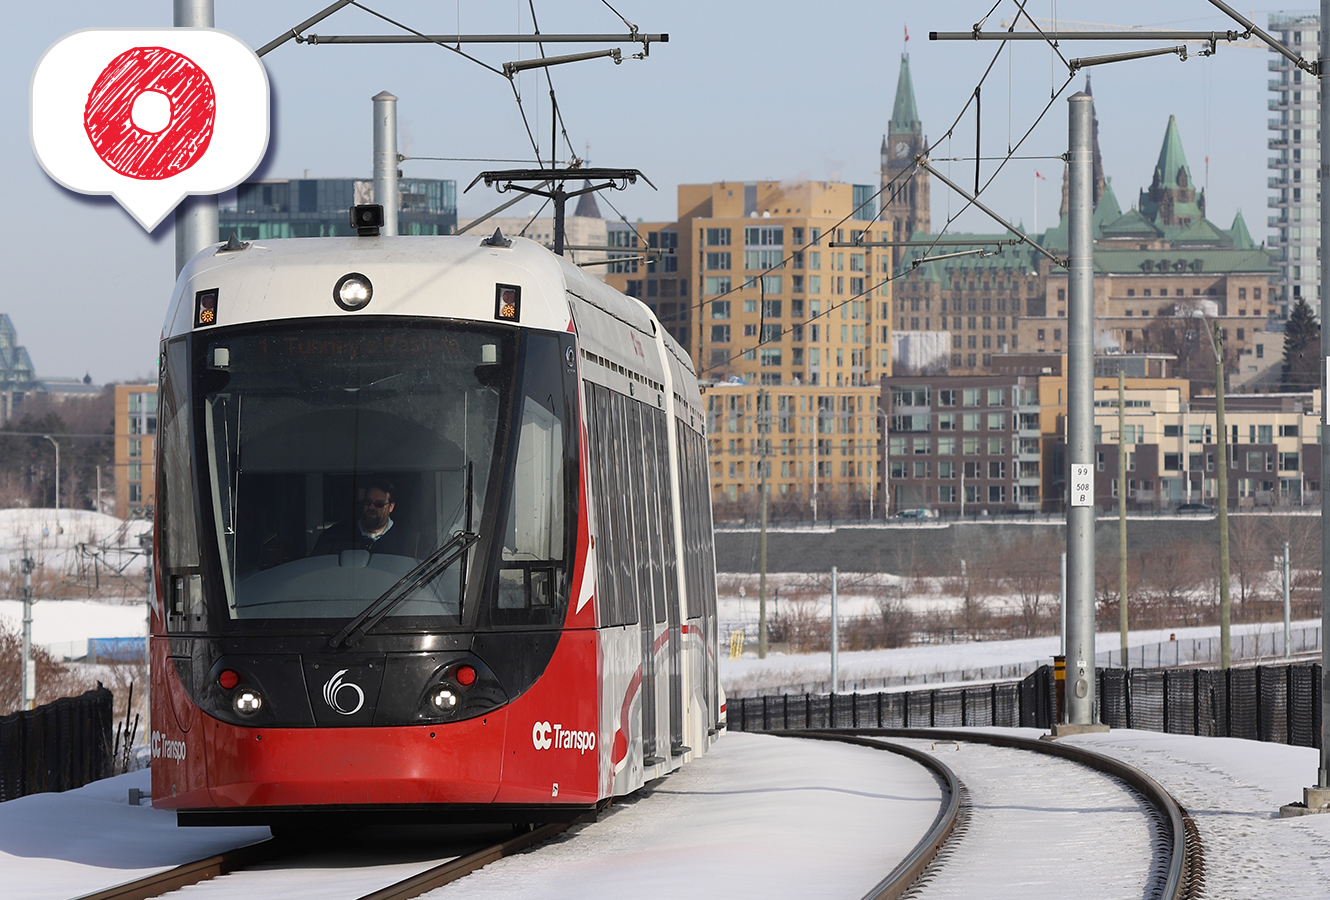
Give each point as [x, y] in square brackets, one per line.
[901, 878]
[1186, 866]
[266, 851]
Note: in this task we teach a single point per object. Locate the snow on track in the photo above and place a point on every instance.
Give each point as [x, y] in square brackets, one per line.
[1041, 827]
[1233, 789]
[758, 816]
[56, 846]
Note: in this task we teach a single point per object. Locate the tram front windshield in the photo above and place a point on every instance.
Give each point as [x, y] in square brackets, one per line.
[331, 461]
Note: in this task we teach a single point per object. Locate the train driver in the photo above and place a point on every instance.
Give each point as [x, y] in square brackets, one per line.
[374, 531]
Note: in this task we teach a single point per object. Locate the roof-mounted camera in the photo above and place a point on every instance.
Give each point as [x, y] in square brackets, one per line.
[367, 219]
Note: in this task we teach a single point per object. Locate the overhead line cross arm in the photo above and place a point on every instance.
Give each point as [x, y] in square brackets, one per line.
[316, 39]
[1021, 236]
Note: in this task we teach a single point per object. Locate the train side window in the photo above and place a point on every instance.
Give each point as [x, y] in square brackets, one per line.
[667, 512]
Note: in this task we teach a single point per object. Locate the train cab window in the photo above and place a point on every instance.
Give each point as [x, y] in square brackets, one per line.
[335, 461]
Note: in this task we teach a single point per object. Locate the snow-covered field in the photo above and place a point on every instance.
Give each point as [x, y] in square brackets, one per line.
[53, 537]
[786, 670]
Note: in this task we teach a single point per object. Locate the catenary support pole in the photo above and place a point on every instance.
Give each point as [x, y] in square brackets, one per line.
[1062, 604]
[1221, 488]
[1323, 91]
[763, 426]
[385, 158]
[1123, 492]
[196, 217]
[1288, 609]
[835, 634]
[1080, 419]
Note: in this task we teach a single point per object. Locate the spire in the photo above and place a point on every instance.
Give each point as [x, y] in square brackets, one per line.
[586, 204]
[1172, 171]
[904, 115]
[1242, 239]
[1172, 198]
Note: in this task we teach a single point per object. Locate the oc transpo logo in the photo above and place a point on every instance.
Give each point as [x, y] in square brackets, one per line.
[545, 736]
[332, 692]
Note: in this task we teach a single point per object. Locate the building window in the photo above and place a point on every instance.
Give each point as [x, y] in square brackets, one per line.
[718, 237]
[720, 334]
[720, 309]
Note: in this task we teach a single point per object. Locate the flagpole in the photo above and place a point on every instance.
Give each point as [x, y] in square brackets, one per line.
[1035, 230]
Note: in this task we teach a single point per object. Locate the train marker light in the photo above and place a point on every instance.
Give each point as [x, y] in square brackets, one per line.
[205, 307]
[353, 292]
[508, 302]
[247, 702]
[443, 699]
[228, 679]
[465, 676]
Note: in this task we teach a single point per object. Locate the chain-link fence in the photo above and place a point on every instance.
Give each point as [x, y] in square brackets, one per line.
[56, 747]
[1281, 704]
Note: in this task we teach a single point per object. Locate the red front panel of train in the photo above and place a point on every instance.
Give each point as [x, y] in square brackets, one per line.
[540, 749]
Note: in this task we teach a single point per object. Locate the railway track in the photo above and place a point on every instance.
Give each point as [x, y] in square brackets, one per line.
[1178, 869]
[274, 850]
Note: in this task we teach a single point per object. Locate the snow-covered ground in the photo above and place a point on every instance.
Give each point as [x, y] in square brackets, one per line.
[66, 845]
[1233, 789]
[757, 816]
[767, 816]
[52, 536]
[789, 670]
[64, 626]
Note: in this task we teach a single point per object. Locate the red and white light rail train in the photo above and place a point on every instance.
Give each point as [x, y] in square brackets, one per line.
[433, 538]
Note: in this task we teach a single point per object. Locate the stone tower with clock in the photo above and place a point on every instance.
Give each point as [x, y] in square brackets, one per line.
[905, 194]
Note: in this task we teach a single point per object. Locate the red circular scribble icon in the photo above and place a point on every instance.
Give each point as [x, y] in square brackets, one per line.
[131, 150]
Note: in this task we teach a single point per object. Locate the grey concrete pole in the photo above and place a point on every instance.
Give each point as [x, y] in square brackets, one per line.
[1122, 509]
[1288, 609]
[196, 222]
[385, 158]
[29, 670]
[1080, 419]
[1323, 775]
[763, 426]
[1062, 604]
[835, 634]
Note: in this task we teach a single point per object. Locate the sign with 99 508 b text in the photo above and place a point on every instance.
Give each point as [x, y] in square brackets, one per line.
[1082, 485]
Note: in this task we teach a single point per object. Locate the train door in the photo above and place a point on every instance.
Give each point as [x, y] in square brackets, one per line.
[672, 616]
[636, 563]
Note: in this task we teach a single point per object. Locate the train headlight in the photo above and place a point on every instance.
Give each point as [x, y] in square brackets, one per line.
[353, 292]
[443, 699]
[247, 701]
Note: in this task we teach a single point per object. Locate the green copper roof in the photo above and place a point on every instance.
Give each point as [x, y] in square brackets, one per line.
[1131, 224]
[1181, 259]
[904, 116]
[1241, 236]
[1171, 158]
[1203, 232]
[1108, 209]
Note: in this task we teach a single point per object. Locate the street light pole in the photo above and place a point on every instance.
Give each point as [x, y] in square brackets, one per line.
[57, 477]
[1221, 488]
[763, 426]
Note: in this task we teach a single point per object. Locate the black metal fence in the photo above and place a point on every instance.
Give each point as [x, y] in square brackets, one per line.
[1280, 704]
[62, 745]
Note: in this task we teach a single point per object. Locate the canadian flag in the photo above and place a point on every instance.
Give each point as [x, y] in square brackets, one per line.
[907, 33]
[1040, 177]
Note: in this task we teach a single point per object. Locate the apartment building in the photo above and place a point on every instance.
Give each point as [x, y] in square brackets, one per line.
[820, 447]
[782, 299]
[966, 444]
[135, 449]
[1295, 196]
[1274, 456]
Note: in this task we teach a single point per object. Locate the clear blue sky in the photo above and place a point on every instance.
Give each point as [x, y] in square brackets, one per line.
[743, 91]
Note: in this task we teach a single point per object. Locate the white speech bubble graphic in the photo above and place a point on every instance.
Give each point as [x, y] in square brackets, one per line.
[149, 115]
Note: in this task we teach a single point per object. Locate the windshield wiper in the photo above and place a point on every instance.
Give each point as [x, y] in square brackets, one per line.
[429, 568]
